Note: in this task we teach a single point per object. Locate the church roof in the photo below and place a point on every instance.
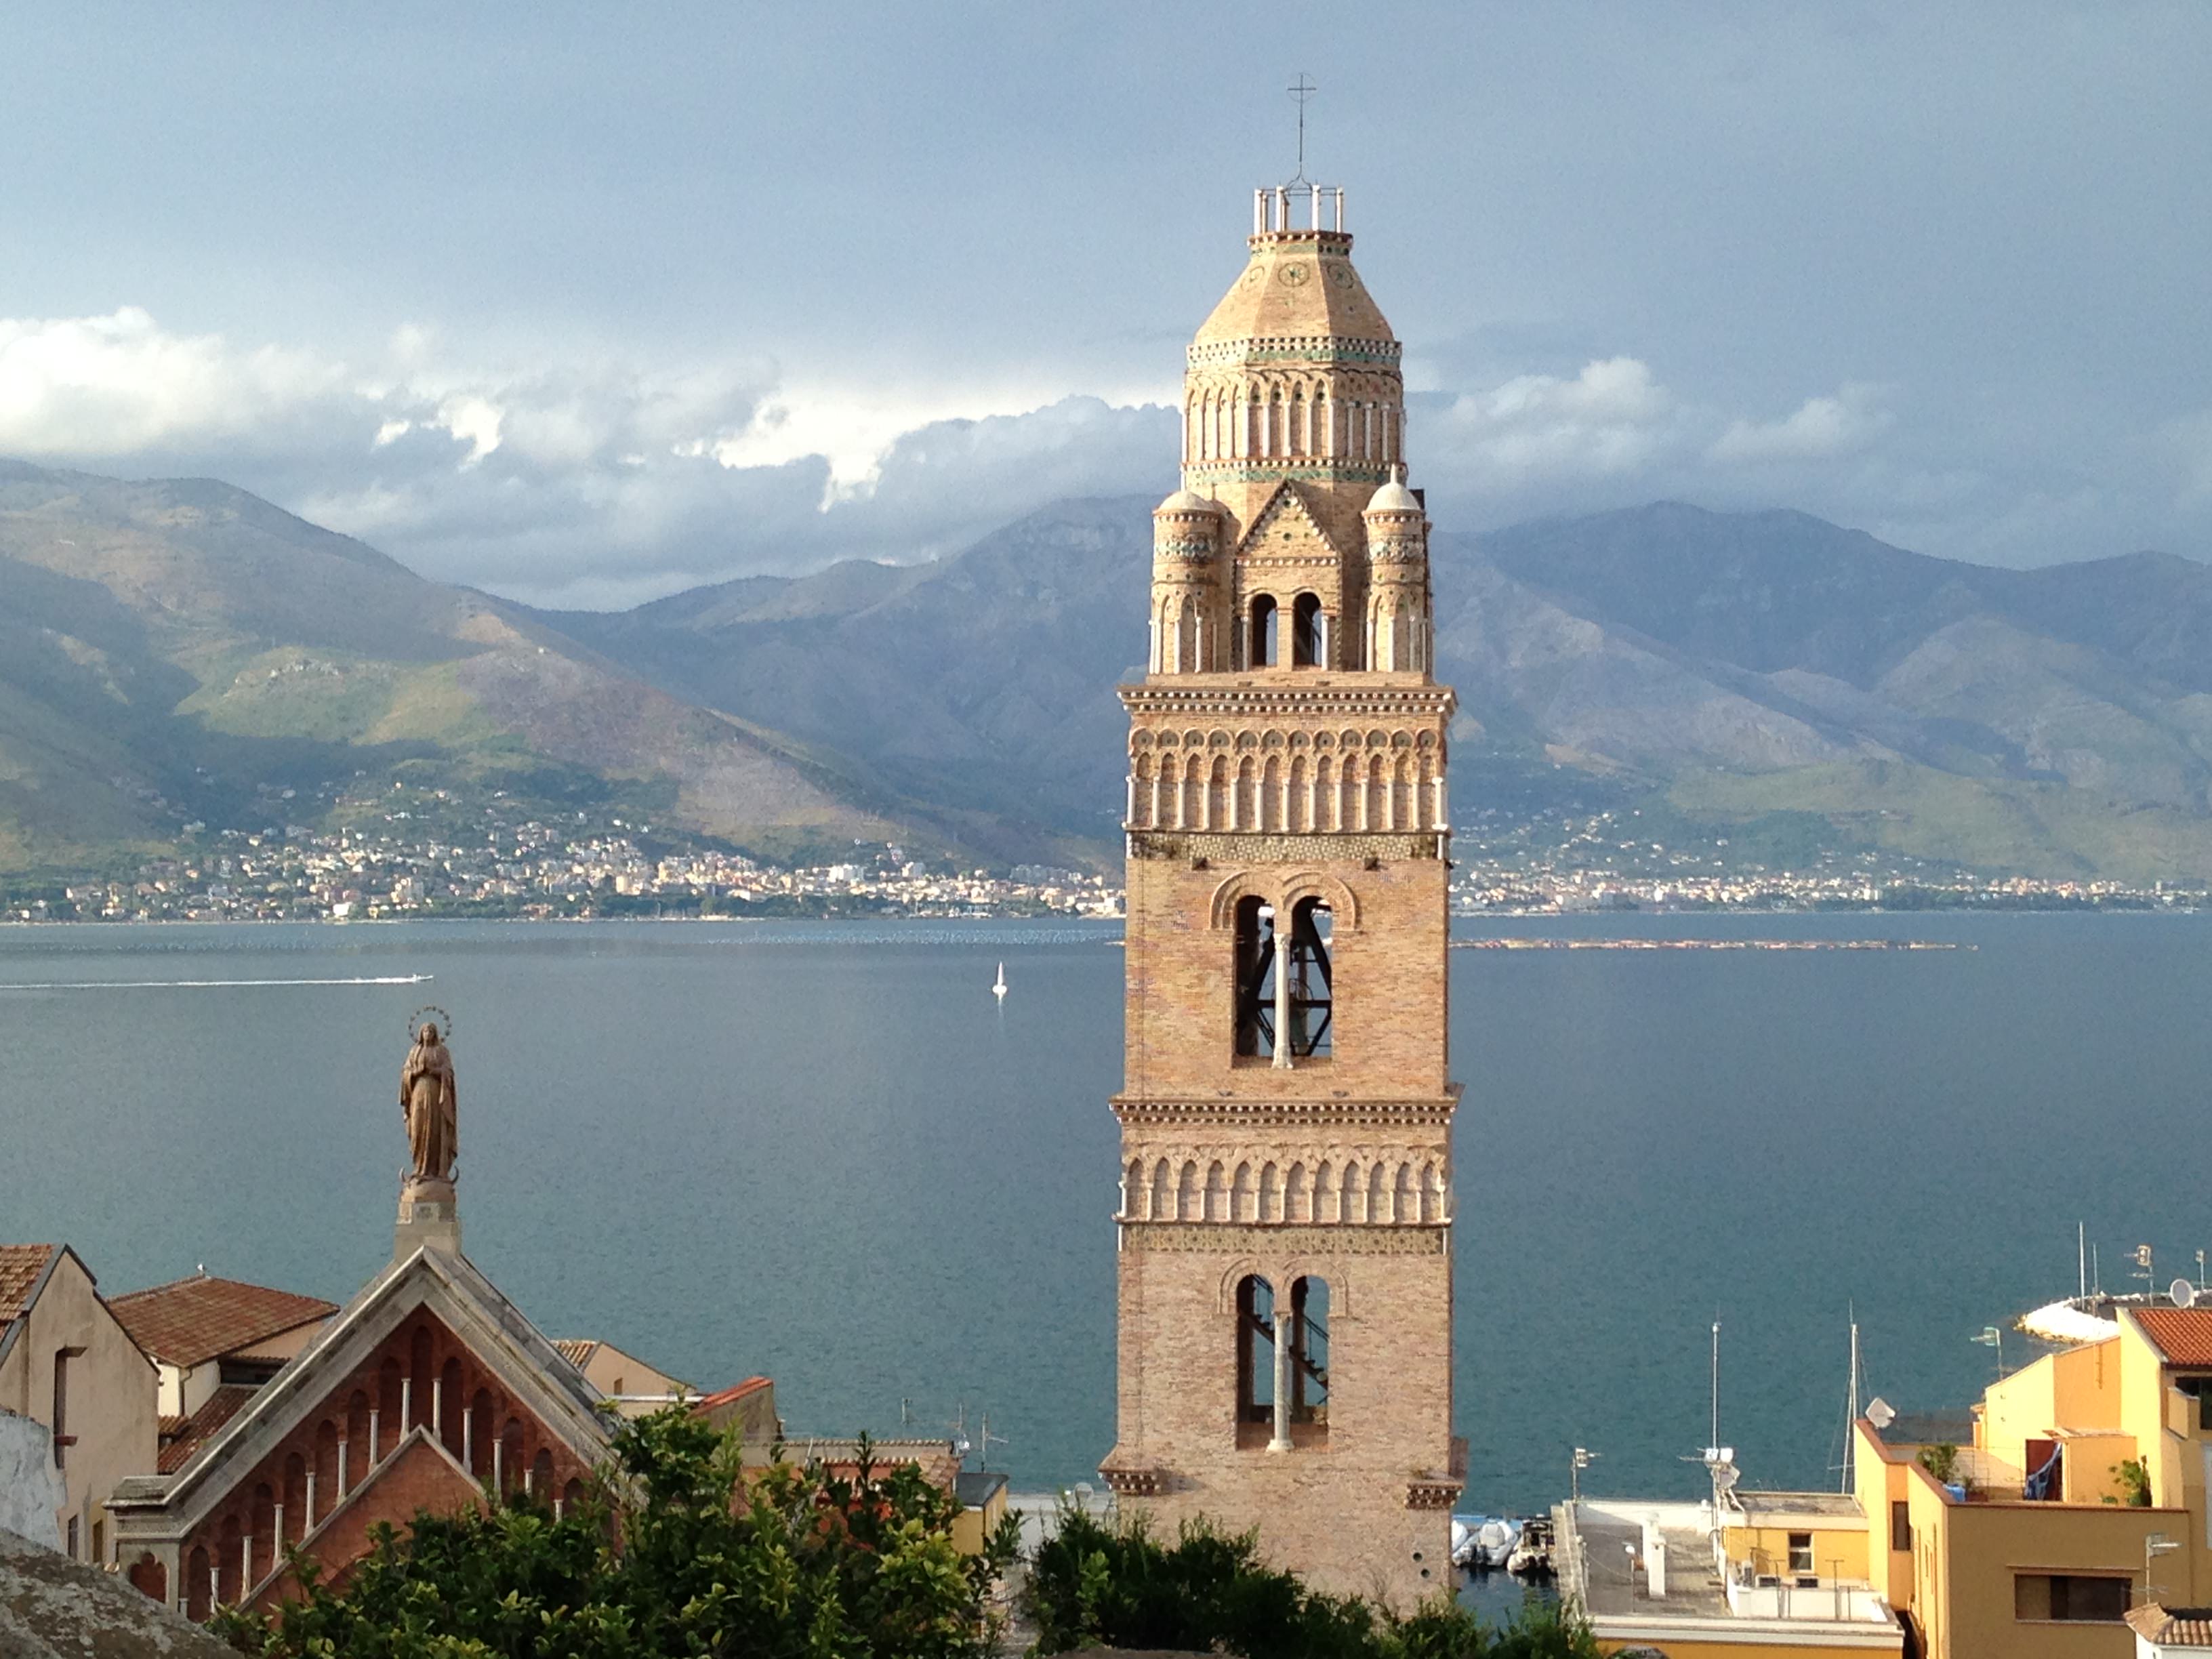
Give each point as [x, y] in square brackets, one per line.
[1299, 284]
[191, 1320]
[1394, 498]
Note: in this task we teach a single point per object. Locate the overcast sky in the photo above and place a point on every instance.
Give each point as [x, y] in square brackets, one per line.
[584, 304]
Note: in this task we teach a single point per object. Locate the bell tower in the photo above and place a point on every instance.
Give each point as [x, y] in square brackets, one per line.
[1284, 1234]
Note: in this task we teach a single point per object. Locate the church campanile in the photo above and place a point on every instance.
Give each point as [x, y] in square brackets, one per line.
[1285, 1230]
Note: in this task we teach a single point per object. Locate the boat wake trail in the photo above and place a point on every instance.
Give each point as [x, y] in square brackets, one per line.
[210, 984]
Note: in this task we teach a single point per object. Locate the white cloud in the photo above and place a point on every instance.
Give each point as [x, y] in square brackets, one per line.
[2188, 440]
[1820, 428]
[1612, 417]
[112, 386]
[605, 481]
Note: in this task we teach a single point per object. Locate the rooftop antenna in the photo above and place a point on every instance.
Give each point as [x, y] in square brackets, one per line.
[1715, 1440]
[1301, 89]
[984, 1441]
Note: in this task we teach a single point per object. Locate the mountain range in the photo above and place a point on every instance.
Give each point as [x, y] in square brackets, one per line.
[181, 650]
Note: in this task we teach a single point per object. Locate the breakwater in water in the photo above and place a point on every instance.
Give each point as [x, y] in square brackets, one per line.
[1708, 945]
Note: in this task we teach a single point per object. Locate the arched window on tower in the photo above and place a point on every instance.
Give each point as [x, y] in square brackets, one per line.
[1305, 631]
[1256, 1360]
[1311, 1000]
[1263, 642]
[1255, 979]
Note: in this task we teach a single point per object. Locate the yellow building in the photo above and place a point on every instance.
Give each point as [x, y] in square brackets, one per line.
[2078, 1492]
[1753, 1574]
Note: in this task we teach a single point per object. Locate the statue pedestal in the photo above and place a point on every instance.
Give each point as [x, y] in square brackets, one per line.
[429, 1216]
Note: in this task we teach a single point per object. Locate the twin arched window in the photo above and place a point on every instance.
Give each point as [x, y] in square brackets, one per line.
[1300, 1414]
[1284, 992]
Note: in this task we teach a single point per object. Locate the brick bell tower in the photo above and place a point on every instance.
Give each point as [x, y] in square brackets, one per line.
[1285, 1231]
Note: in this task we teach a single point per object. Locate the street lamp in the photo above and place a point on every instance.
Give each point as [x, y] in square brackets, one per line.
[1584, 1458]
[1991, 1337]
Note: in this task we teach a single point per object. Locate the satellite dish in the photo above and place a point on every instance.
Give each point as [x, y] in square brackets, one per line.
[1880, 1412]
[2183, 1293]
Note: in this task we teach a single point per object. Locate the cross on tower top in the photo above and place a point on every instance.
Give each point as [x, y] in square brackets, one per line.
[1302, 89]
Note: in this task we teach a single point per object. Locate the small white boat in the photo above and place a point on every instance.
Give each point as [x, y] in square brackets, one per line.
[1532, 1552]
[999, 990]
[1483, 1540]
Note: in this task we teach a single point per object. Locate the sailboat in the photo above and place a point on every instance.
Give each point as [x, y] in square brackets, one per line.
[999, 990]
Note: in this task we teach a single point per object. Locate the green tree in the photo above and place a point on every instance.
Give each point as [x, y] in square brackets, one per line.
[673, 1555]
[1209, 1592]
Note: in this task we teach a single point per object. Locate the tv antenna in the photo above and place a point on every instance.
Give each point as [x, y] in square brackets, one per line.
[984, 1441]
[1300, 90]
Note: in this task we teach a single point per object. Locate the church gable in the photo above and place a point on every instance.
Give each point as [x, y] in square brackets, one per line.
[1286, 531]
[428, 1351]
[419, 1477]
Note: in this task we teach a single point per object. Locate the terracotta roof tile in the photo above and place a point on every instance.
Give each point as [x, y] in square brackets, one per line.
[730, 1395]
[20, 1267]
[2173, 1627]
[2184, 1336]
[217, 1409]
[576, 1350]
[197, 1318]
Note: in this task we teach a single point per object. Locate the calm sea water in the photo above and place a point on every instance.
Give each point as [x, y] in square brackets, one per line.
[825, 1153]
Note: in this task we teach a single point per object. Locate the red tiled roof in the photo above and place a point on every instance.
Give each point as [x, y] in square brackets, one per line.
[2173, 1627]
[217, 1409]
[2184, 1336]
[728, 1396]
[197, 1318]
[20, 1267]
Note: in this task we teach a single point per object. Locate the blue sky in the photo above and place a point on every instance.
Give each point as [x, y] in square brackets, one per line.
[586, 304]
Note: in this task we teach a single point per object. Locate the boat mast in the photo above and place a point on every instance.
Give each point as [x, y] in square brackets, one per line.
[1851, 1409]
[2082, 1256]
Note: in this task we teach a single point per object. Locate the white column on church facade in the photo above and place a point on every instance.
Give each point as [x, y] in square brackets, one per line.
[341, 1468]
[375, 1449]
[406, 1406]
[1282, 1440]
[307, 1523]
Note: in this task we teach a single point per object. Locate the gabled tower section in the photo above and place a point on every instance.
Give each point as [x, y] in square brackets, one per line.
[1285, 1291]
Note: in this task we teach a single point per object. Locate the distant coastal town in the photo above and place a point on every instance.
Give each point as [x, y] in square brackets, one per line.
[435, 857]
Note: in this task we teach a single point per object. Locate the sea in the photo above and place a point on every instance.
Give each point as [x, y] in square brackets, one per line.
[826, 1153]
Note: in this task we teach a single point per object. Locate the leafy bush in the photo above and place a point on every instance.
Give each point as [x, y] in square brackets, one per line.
[1209, 1591]
[673, 1556]
[1942, 1462]
[2134, 1476]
